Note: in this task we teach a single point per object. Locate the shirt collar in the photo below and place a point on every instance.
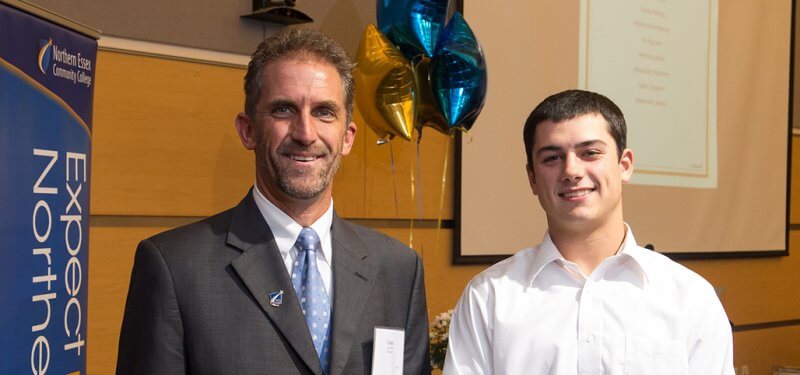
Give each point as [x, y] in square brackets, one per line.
[544, 255]
[548, 253]
[285, 230]
[641, 257]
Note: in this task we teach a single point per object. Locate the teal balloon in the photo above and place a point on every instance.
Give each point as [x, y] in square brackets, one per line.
[413, 25]
[458, 74]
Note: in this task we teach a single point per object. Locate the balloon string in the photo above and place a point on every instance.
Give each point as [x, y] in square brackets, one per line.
[394, 180]
[441, 196]
[411, 220]
[419, 186]
[419, 183]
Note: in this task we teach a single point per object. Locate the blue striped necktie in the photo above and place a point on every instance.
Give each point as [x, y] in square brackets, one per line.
[310, 290]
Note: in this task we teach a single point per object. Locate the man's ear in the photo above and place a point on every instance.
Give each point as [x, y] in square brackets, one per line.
[626, 165]
[531, 178]
[246, 130]
[349, 137]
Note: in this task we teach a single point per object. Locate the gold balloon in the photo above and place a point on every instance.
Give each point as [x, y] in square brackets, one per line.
[358, 118]
[428, 113]
[384, 96]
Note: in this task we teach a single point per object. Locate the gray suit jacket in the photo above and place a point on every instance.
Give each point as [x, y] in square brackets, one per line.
[199, 301]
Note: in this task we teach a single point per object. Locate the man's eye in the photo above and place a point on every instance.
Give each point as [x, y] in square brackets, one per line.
[592, 153]
[282, 112]
[325, 114]
[550, 158]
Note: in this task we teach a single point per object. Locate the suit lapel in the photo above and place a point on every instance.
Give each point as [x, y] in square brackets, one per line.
[262, 271]
[353, 275]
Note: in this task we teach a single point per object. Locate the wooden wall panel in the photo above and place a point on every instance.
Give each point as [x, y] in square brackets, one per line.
[794, 198]
[759, 289]
[762, 350]
[164, 141]
[112, 247]
[444, 282]
[380, 187]
[348, 184]
[372, 193]
[165, 145]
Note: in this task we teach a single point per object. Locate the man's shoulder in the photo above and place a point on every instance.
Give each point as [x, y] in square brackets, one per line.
[375, 241]
[666, 271]
[513, 269]
[197, 232]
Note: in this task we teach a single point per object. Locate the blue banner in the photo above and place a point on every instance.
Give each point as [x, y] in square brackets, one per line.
[46, 88]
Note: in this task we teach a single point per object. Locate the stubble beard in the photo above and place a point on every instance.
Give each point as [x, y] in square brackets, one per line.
[298, 182]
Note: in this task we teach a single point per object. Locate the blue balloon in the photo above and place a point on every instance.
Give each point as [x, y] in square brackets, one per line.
[458, 74]
[413, 25]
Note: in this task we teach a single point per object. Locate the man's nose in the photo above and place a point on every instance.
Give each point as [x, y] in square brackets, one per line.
[304, 129]
[573, 168]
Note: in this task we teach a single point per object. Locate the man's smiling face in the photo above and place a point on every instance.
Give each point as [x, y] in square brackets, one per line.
[576, 172]
[300, 128]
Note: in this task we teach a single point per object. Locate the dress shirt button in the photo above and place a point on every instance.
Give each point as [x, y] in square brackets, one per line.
[589, 338]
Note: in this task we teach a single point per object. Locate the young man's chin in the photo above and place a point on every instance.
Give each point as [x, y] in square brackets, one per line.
[578, 219]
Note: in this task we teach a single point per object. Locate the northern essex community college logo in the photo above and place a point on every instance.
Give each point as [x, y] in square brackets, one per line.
[45, 54]
[61, 63]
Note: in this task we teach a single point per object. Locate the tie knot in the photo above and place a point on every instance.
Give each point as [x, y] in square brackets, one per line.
[308, 240]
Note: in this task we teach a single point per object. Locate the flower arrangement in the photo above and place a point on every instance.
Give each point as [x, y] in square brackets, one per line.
[438, 338]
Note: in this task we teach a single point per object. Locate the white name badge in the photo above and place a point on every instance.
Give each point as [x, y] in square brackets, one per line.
[387, 351]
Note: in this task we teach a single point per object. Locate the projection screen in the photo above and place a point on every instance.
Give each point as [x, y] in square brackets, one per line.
[704, 86]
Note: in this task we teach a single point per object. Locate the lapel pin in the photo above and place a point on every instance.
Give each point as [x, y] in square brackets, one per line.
[276, 298]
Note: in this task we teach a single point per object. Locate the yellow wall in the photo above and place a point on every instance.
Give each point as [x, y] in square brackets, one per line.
[165, 153]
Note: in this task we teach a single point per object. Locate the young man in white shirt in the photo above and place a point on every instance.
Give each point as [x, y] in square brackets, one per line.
[587, 299]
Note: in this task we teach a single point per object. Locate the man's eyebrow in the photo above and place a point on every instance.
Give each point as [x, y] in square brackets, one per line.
[330, 104]
[591, 142]
[554, 148]
[281, 103]
[548, 149]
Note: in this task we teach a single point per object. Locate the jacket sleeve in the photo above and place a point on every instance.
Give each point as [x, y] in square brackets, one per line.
[151, 339]
[417, 360]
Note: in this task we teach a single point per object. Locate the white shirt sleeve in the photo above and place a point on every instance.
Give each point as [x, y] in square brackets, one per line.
[710, 339]
[469, 348]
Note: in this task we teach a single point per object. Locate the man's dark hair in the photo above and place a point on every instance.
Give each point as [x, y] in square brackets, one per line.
[294, 43]
[569, 104]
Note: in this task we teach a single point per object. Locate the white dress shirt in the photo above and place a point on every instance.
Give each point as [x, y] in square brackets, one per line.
[286, 230]
[638, 312]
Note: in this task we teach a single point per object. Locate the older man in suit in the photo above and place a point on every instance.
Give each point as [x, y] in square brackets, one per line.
[278, 284]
